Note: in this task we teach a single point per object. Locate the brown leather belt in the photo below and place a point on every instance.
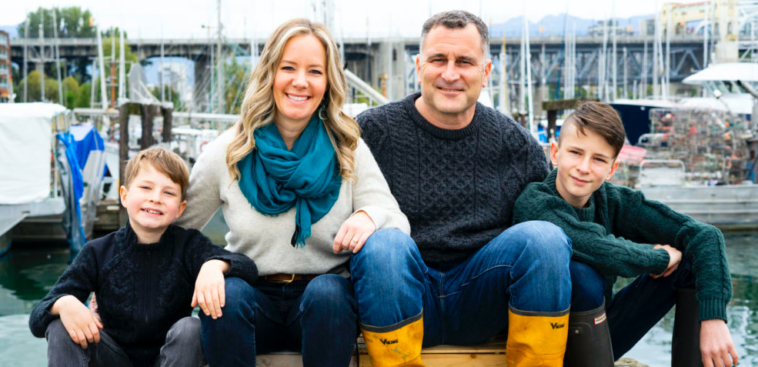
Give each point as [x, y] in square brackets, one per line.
[288, 278]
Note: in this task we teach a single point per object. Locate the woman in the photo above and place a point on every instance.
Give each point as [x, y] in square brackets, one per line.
[300, 192]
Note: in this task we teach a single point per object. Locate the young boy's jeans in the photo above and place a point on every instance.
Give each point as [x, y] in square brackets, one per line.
[182, 348]
[525, 267]
[636, 308]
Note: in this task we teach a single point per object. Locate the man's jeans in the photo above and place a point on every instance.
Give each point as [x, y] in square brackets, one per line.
[526, 267]
[182, 348]
[317, 318]
[636, 308]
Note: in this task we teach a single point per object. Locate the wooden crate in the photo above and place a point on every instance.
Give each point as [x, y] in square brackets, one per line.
[490, 354]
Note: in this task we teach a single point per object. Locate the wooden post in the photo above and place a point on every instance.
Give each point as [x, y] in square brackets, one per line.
[147, 127]
[123, 155]
[552, 116]
[167, 113]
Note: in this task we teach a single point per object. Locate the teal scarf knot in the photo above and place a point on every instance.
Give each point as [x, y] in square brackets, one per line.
[274, 178]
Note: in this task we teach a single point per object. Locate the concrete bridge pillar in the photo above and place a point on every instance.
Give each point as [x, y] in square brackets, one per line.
[200, 90]
[389, 69]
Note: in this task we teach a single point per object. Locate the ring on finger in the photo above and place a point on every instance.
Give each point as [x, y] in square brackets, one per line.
[354, 240]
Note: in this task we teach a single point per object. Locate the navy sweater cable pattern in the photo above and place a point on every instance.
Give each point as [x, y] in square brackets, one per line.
[457, 187]
[142, 290]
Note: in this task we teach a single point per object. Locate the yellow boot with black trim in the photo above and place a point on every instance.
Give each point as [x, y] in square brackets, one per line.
[536, 338]
[395, 345]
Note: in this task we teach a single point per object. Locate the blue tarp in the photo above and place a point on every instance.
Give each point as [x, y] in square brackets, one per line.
[87, 139]
[79, 142]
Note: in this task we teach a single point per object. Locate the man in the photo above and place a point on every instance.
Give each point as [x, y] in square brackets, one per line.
[456, 168]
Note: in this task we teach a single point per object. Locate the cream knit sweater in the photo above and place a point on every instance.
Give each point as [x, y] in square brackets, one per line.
[266, 239]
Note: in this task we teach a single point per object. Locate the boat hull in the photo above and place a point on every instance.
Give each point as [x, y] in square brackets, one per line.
[729, 207]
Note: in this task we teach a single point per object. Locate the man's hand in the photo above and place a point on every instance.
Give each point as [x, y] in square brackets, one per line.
[716, 346]
[675, 257]
[354, 233]
[210, 293]
[81, 325]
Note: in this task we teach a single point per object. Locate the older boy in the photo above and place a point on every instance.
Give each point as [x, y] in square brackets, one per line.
[615, 230]
[143, 275]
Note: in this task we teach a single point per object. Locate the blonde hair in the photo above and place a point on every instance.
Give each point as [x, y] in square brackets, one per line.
[259, 109]
[163, 161]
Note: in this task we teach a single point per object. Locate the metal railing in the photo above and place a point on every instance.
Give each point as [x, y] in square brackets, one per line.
[374, 98]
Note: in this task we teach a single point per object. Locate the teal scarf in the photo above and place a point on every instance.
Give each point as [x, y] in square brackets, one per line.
[273, 178]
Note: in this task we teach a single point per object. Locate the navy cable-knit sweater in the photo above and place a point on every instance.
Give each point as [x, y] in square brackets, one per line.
[457, 187]
[142, 290]
[614, 234]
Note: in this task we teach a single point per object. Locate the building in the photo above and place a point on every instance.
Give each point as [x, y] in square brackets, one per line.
[599, 29]
[689, 19]
[6, 86]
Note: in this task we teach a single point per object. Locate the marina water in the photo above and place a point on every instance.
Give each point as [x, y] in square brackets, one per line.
[28, 272]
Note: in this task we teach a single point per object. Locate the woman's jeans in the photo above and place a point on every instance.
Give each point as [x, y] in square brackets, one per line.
[636, 308]
[182, 348]
[525, 267]
[317, 318]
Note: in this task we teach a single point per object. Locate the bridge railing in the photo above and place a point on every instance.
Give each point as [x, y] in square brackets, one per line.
[357, 84]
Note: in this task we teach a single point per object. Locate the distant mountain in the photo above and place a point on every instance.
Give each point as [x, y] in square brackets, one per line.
[554, 25]
[10, 29]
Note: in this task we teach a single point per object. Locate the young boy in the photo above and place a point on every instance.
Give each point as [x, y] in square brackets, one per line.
[617, 232]
[144, 277]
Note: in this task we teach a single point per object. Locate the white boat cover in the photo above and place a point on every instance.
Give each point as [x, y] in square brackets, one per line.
[25, 146]
[746, 72]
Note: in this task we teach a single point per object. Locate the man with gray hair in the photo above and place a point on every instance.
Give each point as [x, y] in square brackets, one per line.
[456, 167]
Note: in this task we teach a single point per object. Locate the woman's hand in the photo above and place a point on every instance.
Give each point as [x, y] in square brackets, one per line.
[209, 288]
[354, 233]
[716, 346]
[81, 325]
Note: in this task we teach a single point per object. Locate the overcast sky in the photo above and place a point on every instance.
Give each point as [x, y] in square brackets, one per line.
[183, 19]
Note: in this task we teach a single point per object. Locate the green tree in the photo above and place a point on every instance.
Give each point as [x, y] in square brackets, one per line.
[34, 88]
[237, 77]
[129, 56]
[70, 91]
[169, 93]
[77, 23]
[112, 32]
[84, 96]
[71, 22]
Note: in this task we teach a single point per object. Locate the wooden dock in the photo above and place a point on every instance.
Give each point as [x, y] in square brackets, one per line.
[489, 354]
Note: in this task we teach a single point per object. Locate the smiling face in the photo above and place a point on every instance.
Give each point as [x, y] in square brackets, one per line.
[153, 201]
[452, 69]
[300, 81]
[584, 162]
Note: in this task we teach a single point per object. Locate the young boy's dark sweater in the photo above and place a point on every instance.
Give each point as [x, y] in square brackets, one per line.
[615, 232]
[142, 290]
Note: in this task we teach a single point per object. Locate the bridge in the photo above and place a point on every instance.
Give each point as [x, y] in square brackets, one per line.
[387, 63]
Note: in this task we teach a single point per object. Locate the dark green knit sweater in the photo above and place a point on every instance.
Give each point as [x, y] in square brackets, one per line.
[616, 231]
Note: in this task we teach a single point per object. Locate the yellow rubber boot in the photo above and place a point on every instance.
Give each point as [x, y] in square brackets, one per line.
[536, 338]
[398, 347]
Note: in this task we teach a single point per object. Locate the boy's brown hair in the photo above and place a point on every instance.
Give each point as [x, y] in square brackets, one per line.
[163, 161]
[600, 118]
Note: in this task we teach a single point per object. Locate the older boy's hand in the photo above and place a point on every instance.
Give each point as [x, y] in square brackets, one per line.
[209, 288]
[81, 325]
[353, 233]
[716, 346]
[675, 257]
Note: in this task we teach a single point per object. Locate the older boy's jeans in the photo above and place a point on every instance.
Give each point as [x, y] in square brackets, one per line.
[636, 308]
[182, 348]
[317, 318]
[525, 267]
